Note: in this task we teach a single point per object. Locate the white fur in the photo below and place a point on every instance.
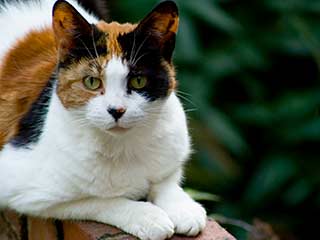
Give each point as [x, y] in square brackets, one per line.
[116, 96]
[19, 17]
[80, 169]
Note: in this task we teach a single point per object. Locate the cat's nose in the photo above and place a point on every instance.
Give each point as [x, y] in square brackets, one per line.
[116, 113]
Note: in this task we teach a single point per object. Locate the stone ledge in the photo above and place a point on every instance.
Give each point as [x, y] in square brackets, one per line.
[13, 227]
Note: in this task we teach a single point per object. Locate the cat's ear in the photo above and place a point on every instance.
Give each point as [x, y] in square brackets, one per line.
[68, 26]
[161, 24]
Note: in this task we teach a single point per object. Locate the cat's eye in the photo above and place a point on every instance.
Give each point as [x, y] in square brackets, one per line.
[92, 83]
[138, 82]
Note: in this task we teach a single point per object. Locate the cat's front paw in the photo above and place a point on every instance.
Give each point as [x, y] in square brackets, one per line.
[150, 223]
[189, 218]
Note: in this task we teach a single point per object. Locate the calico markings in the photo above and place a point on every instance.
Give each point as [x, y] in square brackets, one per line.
[24, 74]
[93, 122]
[76, 50]
[31, 125]
[146, 48]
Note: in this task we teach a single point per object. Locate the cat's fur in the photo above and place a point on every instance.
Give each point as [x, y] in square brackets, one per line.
[64, 155]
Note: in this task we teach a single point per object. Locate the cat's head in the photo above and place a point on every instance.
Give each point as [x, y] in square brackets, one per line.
[115, 76]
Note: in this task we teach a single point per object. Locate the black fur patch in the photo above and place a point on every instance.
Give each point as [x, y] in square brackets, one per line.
[86, 46]
[144, 58]
[31, 125]
[96, 7]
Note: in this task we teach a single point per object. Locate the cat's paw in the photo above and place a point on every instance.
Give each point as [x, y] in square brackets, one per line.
[150, 223]
[189, 218]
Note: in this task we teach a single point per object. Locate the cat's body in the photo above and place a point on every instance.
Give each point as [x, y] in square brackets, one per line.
[80, 159]
[91, 163]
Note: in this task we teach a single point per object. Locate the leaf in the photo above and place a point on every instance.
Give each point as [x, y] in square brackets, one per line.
[294, 6]
[223, 129]
[254, 114]
[188, 43]
[211, 13]
[270, 177]
[218, 64]
[298, 192]
[307, 131]
[202, 196]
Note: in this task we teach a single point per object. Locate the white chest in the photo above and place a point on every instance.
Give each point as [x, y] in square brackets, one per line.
[125, 172]
[84, 163]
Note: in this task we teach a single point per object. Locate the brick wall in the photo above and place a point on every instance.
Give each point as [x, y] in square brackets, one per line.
[15, 227]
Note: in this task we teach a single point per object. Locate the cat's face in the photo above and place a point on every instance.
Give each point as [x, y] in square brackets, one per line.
[115, 76]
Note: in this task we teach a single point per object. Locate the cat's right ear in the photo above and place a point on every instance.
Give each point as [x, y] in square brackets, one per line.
[68, 25]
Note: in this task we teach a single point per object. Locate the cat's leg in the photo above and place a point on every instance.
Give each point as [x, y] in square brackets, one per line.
[30, 193]
[142, 219]
[188, 216]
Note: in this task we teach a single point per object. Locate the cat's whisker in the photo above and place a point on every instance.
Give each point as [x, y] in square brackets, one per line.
[81, 123]
[140, 47]
[154, 109]
[139, 58]
[97, 64]
[183, 93]
[191, 110]
[186, 99]
[133, 46]
[94, 45]
[158, 111]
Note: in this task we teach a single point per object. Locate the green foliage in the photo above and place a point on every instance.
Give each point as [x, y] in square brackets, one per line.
[202, 196]
[249, 79]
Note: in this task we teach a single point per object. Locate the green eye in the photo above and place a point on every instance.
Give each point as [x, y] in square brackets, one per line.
[138, 82]
[92, 83]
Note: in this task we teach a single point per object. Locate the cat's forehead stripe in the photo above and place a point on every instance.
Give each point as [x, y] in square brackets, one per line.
[116, 69]
[113, 30]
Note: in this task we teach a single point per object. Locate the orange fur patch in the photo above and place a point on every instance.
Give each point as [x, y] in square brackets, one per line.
[113, 30]
[24, 72]
[172, 75]
[71, 90]
[166, 24]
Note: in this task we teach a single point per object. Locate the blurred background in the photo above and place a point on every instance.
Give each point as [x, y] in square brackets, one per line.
[248, 76]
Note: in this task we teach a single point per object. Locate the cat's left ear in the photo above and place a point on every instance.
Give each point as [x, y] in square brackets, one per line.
[161, 24]
[68, 26]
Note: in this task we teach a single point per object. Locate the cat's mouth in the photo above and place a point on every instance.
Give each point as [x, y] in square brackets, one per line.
[117, 129]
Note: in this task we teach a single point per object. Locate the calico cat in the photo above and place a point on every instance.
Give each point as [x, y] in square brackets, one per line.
[89, 120]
